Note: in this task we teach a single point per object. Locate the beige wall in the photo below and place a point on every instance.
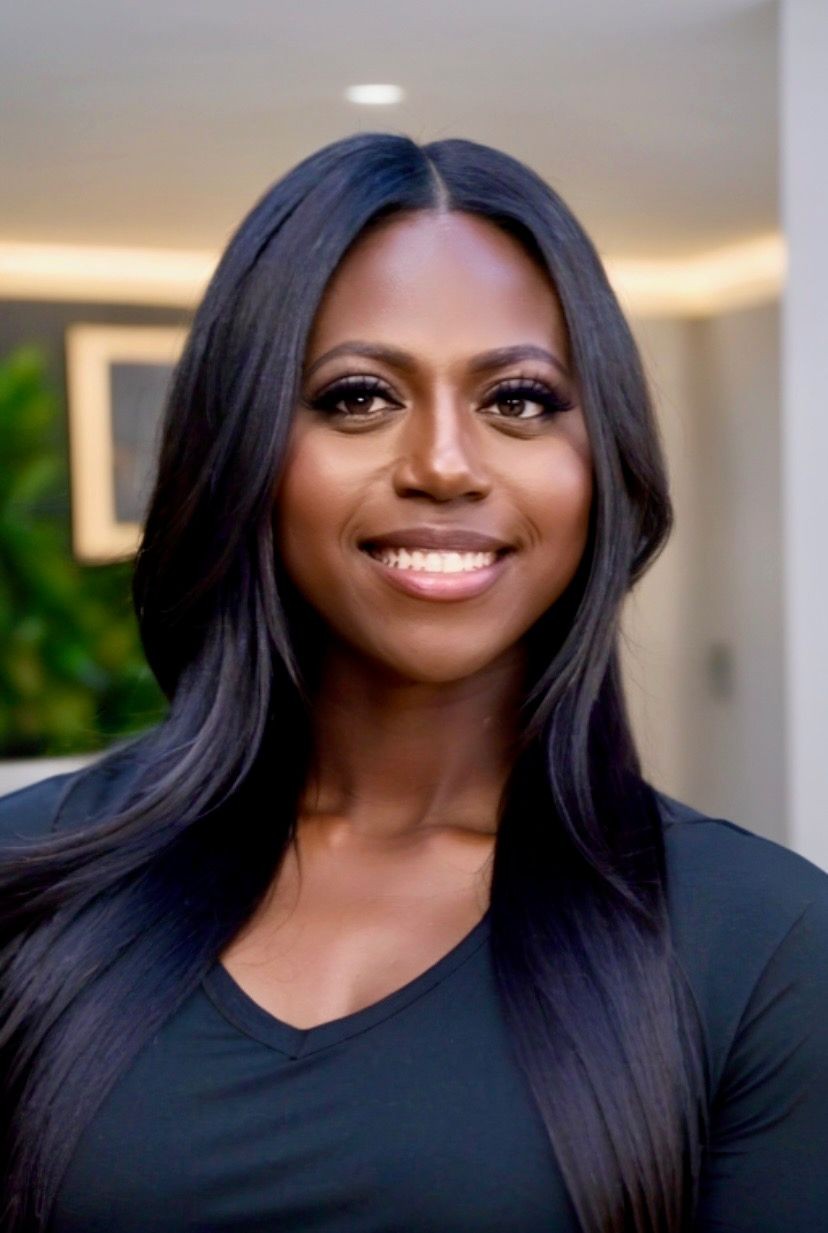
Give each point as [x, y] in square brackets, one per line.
[804, 184]
[704, 649]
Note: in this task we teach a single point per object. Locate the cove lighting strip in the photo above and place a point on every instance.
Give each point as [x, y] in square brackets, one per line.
[750, 272]
[106, 275]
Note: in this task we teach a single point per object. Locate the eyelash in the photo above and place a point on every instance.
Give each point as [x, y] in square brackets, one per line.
[524, 389]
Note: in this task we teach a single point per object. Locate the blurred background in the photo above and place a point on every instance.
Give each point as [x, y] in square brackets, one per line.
[689, 137]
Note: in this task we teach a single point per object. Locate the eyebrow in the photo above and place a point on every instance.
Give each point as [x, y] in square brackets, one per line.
[485, 362]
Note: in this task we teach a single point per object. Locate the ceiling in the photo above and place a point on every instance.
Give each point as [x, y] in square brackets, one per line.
[160, 123]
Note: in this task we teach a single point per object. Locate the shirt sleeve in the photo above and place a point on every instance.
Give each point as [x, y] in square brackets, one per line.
[29, 813]
[766, 1170]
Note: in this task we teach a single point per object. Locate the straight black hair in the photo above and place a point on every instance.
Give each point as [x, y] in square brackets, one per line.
[107, 926]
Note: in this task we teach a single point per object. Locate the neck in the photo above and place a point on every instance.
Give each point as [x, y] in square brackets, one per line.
[394, 757]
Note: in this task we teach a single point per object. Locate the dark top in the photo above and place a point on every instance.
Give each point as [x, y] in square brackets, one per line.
[412, 1115]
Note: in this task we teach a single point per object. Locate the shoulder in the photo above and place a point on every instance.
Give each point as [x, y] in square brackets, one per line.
[746, 914]
[734, 869]
[716, 867]
[29, 813]
[62, 801]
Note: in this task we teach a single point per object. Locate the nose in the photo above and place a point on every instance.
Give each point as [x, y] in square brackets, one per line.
[439, 455]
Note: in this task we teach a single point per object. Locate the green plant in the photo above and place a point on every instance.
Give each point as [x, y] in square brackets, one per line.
[72, 673]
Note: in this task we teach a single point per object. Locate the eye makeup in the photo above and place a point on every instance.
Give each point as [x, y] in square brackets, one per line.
[362, 390]
[352, 389]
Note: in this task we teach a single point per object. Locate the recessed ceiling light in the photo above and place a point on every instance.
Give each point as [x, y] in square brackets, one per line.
[374, 95]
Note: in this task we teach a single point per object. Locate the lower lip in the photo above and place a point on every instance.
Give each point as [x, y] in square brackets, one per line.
[440, 586]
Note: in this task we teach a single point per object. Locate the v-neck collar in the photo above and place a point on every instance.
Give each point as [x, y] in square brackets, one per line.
[249, 1017]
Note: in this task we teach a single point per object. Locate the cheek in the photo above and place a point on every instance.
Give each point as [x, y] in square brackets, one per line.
[558, 499]
[315, 486]
[306, 502]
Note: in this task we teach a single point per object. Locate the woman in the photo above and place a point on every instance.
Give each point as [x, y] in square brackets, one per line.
[383, 929]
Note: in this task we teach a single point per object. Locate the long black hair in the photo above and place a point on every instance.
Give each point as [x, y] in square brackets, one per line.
[107, 927]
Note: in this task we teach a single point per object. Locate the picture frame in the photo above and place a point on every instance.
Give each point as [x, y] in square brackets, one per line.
[117, 380]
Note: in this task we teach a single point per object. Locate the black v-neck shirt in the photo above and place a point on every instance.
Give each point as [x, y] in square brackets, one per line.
[413, 1116]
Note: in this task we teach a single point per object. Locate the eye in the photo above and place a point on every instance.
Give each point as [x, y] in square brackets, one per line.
[522, 399]
[354, 397]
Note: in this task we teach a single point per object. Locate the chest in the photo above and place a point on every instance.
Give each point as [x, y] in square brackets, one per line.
[345, 925]
[415, 1118]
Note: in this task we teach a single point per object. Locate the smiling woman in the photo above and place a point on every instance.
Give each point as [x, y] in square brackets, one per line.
[382, 928]
[456, 426]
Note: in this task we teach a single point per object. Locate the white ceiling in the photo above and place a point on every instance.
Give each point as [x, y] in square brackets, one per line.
[160, 122]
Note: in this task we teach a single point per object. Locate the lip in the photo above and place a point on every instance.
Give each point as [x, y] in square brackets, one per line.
[445, 539]
[441, 587]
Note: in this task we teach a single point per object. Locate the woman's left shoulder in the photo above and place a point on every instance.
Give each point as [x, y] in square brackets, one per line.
[726, 863]
[749, 919]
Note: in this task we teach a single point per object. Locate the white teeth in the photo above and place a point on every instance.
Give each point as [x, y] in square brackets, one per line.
[427, 560]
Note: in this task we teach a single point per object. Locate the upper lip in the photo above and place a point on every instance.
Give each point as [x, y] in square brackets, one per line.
[446, 539]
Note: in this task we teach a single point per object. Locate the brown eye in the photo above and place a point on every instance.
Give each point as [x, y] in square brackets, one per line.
[353, 404]
[354, 397]
[515, 407]
[528, 400]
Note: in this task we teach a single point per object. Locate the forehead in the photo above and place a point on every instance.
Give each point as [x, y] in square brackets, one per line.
[449, 284]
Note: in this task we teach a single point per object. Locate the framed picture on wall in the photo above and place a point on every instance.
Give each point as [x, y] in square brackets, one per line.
[117, 381]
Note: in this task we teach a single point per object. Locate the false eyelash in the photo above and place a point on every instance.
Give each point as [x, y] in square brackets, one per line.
[553, 401]
[327, 400]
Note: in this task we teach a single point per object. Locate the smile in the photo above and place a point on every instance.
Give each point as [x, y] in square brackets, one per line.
[430, 574]
[426, 560]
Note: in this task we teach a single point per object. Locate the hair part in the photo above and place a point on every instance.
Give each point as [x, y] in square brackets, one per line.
[129, 906]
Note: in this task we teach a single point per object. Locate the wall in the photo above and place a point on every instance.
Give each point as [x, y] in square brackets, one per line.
[704, 653]
[804, 157]
[44, 323]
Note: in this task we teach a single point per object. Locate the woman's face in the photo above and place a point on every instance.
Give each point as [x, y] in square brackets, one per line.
[436, 493]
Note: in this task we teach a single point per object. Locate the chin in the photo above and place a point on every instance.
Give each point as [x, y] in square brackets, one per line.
[436, 665]
[439, 674]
